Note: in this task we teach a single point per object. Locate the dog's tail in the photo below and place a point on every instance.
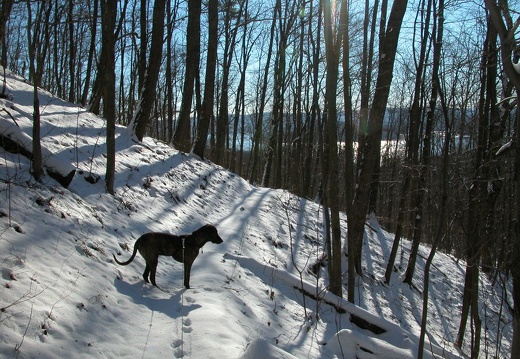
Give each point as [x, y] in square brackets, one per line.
[128, 261]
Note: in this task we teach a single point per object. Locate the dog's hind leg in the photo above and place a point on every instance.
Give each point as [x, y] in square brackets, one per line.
[146, 273]
[153, 267]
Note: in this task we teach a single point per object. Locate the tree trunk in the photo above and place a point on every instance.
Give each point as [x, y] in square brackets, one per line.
[209, 83]
[314, 112]
[143, 44]
[72, 51]
[108, 13]
[437, 33]
[239, 101]
[141, 120]
[331, 191]
[370, 141]
[91, 52]
[478, 193]
[277, 113]
[5, 12]
[507, 39]
[222, 130]
[418, 173]
[260, 114]
[181, 138]
[38, 43]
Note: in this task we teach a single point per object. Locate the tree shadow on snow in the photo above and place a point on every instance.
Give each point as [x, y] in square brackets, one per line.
[177, 305]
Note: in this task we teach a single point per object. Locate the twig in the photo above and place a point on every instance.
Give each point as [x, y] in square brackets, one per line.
[18, 346]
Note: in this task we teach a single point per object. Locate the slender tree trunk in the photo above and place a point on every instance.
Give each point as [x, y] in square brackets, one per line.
[72, 51]
[222, 131]
[370, 140]
[412, 155]
[5, 12]
[437, 31]
[139, 124]
[239, 102]
[368, 68]
[314, 113]
[108, 11]
[263, 94]
[477, 196]
[507, 40]
[331, 191]
[515, 234]
[276, 114]
[38, 43]
[182, 138]
[169, 71]
[209, 84]
[143, 43]
[295, 162]
[418, 173]
[91, 52]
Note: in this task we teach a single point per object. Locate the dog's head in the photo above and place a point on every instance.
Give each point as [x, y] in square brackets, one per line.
[210, 233]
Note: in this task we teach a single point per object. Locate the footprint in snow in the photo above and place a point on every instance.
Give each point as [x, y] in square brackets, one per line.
[179, 353]
[190, 300]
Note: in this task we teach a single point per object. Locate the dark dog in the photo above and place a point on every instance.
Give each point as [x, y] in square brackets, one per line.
[183, 248]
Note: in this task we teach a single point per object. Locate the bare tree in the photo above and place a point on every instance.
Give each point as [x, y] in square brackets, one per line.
[437, 37]
[370, 140]
[209, 85]
[419, 172]
[181, 138]
[91, 52]
[333, 39]
[5, 12]
[38, 41]
[141, 119]
[108, 19]
[263, 94]
[500, 18]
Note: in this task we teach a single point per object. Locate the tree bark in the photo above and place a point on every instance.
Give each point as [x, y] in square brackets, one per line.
[416, 171]
[437, 31]
[108, 13]
[260, 113]
[370, 140]
[209, 84]
[507, 39]
[5, 12]
[139, 124]
[331, 191]
[38, 43]
[92, 49]
[182, 137]
[143, 43]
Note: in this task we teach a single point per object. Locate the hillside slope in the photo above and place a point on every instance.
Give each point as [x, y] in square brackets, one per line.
[62, 292]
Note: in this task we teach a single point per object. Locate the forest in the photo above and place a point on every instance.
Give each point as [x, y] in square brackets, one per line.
[405, 109]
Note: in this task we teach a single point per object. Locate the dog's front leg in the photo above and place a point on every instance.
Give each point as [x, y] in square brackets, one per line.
[187, 270]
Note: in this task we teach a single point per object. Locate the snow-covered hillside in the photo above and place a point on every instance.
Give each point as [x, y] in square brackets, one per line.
[62, 294]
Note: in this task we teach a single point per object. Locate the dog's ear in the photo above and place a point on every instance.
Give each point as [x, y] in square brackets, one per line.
[209, 225]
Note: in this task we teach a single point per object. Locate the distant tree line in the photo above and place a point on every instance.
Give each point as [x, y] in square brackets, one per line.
[405, 110]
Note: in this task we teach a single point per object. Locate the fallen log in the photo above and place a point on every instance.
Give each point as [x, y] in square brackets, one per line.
[14, 140]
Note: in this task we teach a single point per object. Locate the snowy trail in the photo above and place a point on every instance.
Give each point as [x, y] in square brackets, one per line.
[169, 329]
[235, 224]
[63, 293]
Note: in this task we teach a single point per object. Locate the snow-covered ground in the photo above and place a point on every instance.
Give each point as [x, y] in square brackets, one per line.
[62, 294]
